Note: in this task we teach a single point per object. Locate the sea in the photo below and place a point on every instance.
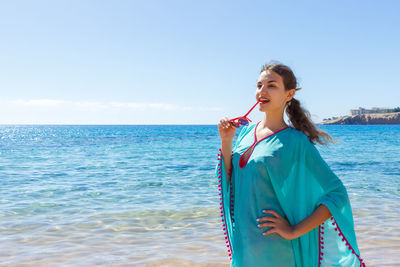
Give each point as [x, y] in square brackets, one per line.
[147, 195]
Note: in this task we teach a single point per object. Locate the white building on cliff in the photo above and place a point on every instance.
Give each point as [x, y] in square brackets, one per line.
[361, 110]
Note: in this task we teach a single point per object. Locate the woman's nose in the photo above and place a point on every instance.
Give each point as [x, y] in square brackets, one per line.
[263, 89]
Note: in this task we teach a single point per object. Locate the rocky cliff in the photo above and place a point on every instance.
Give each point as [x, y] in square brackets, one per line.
[373, 118]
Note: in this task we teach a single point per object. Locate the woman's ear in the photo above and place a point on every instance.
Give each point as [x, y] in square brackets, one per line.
[291, 94]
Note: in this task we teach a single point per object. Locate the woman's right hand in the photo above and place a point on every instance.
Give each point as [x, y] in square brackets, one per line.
[226, 130]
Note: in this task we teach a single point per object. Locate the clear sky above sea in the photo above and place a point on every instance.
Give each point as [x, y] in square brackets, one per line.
[190, 62]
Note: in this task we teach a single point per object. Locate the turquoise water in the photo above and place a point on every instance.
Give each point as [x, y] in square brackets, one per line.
[147, 195]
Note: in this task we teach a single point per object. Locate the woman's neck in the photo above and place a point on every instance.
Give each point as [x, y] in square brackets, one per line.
[272, 123]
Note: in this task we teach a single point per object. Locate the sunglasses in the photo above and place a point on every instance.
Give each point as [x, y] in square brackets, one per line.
[243, 120]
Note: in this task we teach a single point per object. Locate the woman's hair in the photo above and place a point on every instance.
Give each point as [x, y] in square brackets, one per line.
[299, 117]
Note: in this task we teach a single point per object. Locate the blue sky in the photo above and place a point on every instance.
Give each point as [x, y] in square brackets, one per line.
[190, 62]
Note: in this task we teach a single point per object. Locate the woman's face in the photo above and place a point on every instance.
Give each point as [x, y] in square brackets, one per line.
[270, 86]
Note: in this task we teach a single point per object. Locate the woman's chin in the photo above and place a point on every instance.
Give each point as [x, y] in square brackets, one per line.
[263, 109]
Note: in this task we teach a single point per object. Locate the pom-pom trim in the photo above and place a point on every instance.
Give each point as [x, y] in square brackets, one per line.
[321, 230]
[221, 200]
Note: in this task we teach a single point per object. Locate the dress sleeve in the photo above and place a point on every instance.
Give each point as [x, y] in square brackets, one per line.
[334, 192]
[226, 195]
[339, 229]
[226, 202]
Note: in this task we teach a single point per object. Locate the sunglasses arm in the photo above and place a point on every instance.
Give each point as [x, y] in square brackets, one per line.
[245, 116]
[251, 109]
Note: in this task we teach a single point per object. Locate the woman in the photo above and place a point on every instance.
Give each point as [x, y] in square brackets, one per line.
[281, 205]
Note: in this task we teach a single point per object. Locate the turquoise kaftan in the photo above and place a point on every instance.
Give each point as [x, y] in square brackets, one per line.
[283, 172]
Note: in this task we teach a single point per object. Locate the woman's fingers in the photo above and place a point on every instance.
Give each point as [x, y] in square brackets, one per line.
[227, 124]
[273, 213]
[224, 123]
[267, 219]
[273, 230]
[267, 225]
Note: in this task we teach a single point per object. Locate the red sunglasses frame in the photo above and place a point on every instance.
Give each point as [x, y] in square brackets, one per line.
[243, 120]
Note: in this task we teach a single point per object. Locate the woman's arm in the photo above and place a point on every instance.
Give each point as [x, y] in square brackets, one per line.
[320, 215]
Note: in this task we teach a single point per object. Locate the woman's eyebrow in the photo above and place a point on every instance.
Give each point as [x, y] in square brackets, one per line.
[272, 81]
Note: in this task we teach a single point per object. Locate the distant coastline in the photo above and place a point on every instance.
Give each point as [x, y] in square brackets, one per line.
[372, 118]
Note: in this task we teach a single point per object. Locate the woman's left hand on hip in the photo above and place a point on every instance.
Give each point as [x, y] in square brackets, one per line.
[279, 225]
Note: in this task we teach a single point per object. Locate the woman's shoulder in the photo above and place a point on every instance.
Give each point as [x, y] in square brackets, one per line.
[296, 132]
[299, 136]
